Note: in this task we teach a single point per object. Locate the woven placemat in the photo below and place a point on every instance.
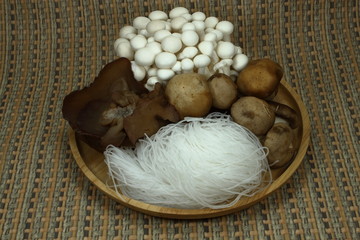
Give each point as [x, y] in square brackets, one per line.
[50, 48]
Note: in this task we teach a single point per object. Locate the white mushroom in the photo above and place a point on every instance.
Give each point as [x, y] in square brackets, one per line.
[138, 42]
[211, 37]
[165, 60]
[177, 12]
[158, 15]
[200, 28]
[187, 16]
[210, 22]
[120, 40]
[225, 50]
[150, 84]
[238, 50]
[240, 61]
[160, 35]
[177, 67]
[202, 62]
[155, 47]
[177, 23]
[176, 34]
[150, 39]
[144, 32]
[188, 27]
[187, 65]
[165, 74]
[219, 34]
[152, 72]
[126, 30]
[171, 44]
[188, 52]
[139, 71]
[190, 38]
[223, 66]
[140, 22]
[124, 49]
[130, 36]
[198, 16]
[207, 48]
[226, 28]
[144, 57]
[155, 26]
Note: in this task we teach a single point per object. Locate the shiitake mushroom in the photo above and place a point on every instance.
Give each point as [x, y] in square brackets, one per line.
[253, 113]
[223, 90]
[190, 94]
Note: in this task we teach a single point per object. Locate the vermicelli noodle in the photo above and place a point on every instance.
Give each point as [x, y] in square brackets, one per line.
[195, 163]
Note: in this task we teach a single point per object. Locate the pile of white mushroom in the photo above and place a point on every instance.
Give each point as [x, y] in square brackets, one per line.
[162, 45]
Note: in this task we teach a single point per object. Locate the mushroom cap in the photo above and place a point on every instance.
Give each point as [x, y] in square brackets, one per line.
[210, 22]
[206, 47]
[202, 60]
[260, 78]
[190, 38]
[137, 42]
[223, 91]
[126, 30]
[140, 22]
[198, 16]
[177, 12]
[177, 23]
[225, 26]
[280, 142]
[144, 57]
[240, 61]
[165, 60]
[189, 93]
[155, 26]
[225, 49]
[171, 44]
[161, 34]
[158, 15]
[253, 113]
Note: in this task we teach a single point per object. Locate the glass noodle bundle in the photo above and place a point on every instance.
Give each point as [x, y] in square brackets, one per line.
[195, 163]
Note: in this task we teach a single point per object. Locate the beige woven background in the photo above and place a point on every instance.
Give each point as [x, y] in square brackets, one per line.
[50, 48]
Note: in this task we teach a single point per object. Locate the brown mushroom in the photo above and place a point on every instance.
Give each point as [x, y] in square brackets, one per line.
[254, 114]
[260, 78]
[151, 113]
[190, 94]
[285, 112]
[223, 91]
[280, 142]
[84, 108]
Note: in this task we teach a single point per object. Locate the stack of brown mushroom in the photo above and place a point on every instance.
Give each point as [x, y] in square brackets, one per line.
[249, 100]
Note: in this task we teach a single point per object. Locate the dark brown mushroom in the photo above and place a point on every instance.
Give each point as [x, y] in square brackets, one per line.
[280, 142]
[84, 108]
[285, 112]
[151, 113]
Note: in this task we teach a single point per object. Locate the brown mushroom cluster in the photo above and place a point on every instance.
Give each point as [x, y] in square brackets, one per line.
[248, 101]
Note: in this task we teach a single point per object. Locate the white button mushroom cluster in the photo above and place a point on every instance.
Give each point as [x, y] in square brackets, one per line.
[162, 45]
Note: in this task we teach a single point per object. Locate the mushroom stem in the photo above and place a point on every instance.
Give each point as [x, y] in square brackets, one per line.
[285, 112]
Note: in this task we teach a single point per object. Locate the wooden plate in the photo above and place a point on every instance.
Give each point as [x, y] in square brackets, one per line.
[93, 166]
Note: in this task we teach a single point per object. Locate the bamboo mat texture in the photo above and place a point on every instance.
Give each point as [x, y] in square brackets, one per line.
[50, 48]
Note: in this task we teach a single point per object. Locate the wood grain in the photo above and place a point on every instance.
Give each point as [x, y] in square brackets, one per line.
[94, 168]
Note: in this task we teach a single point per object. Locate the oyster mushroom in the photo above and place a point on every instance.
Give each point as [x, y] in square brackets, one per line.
[84, 108]
[151, 113]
